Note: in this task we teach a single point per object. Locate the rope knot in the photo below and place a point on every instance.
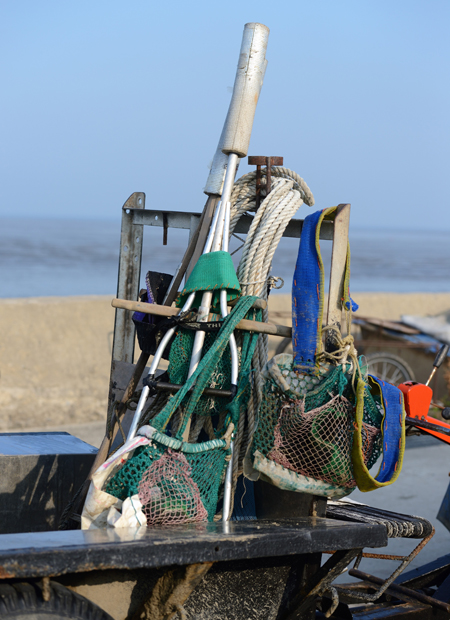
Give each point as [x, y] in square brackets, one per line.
[345, 350]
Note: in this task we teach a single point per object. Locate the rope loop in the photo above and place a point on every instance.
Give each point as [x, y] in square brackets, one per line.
[275, 282]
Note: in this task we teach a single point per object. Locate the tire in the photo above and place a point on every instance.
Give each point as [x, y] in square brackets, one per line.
[23, 601]
[389, 367]
[385, 366]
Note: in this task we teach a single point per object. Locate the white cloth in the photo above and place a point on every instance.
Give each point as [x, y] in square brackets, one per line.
[103, 510]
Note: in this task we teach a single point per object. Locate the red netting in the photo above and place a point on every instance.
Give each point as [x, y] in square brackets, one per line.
[318, 443]
[168, 494]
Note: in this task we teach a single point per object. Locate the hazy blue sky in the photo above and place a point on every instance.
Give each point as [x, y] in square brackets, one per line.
[101, 98]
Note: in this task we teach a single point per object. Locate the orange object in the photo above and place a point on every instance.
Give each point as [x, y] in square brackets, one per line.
[417, 404]
[417, 398]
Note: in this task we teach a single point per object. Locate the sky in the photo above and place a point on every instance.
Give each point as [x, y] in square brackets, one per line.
[102, 98]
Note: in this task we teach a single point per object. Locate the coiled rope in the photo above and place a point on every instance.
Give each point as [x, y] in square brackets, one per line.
[289, 192]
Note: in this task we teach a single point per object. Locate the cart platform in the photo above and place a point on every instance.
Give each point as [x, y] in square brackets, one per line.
[42, 554]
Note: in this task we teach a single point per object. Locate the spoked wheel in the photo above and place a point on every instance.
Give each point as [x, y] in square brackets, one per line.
[389, 367]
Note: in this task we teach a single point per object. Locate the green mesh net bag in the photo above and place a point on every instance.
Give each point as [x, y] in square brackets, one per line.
[183, 494]
[304, 437]
[322, 422]
[177, 481]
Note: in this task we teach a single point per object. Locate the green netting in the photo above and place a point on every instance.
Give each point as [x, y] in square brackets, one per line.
[306, 423]
[316, 443]
[283, 384]
[212, 272]
[200, 469]
[373, 415]
[200, 379]
[207, 472]
[179, 358]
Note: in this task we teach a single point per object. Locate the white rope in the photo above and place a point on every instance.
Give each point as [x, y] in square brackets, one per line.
[289, 192]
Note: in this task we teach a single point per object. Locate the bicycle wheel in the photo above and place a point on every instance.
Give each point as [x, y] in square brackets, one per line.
[389, 367]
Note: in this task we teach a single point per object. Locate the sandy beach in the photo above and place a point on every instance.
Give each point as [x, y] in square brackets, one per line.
[55, 353]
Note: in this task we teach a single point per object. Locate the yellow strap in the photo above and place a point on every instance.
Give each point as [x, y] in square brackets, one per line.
[363, 478]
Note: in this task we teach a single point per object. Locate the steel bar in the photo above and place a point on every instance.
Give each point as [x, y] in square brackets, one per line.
[429, 600]
[182, 220]
[375, 556]
[128, 278]
[427, 425]
[172, 387]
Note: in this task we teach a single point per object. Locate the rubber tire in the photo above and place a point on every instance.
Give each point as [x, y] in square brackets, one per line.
[407, 373]
[23, 601]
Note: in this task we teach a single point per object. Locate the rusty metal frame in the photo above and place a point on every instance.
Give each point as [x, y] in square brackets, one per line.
[186, 220]
[258, 161]
[371, 598]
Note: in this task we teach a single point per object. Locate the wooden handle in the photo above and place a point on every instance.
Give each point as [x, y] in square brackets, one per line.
[245, 325]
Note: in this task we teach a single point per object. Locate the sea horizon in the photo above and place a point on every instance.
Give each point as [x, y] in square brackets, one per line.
[58, 257]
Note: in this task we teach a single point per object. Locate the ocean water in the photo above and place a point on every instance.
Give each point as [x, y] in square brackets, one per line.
[51, 257]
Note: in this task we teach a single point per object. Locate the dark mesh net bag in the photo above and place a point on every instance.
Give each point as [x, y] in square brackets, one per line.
[318, 443]
[304, 437]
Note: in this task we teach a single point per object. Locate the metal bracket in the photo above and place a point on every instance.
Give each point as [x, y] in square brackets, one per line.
[258, 161]
[319, 583]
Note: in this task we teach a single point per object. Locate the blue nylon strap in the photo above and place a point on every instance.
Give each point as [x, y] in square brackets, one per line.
[306, 299]
[392, 427]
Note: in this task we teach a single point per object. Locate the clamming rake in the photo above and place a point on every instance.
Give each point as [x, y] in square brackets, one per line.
[233, 144]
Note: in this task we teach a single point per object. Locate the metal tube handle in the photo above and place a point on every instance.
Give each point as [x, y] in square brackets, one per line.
[237, 128]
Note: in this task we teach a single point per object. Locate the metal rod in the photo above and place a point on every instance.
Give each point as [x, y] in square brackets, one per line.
[228, 487]
[443, 430]
[214, 243]
[172, 387]
[370, 598]
[429, 600]
[234, 373]
[153, 368]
